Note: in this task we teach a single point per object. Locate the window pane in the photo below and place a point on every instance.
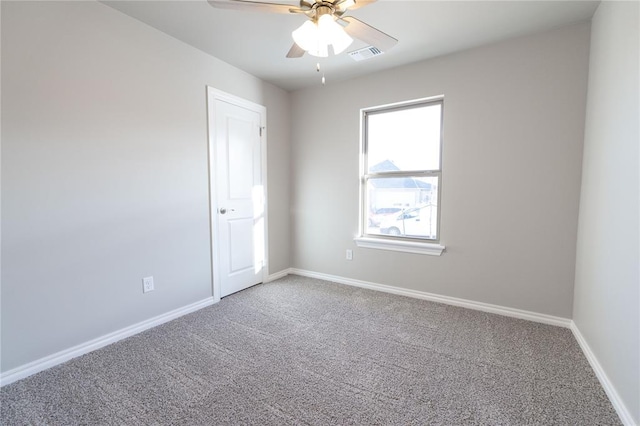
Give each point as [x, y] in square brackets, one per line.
[405, 139]
[403, 206]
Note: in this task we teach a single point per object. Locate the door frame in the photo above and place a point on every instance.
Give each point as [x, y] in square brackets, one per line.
[214, 95]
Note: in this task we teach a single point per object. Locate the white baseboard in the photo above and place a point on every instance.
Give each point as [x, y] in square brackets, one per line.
[614, 397]
[83, 348]
[278, 275]
[464, 303]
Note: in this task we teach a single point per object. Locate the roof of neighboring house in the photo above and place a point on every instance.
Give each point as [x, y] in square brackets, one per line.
[395, 183]
[384, 166]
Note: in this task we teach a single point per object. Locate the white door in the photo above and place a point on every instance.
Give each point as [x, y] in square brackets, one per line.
[237, 163]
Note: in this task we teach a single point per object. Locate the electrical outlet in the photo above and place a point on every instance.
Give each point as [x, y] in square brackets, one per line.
[349, 254]
[147, 284]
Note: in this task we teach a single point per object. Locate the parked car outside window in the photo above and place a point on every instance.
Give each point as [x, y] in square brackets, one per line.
[376, 218]
[418, 222]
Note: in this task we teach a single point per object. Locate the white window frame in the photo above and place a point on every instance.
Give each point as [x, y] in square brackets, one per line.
[397, 243]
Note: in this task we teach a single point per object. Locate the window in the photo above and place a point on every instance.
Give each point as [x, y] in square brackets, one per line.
[401, 176]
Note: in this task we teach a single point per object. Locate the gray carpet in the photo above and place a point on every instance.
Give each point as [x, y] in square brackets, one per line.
[305, 351]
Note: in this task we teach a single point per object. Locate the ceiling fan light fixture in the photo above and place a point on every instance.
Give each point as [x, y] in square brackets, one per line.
[333, 33]
[341, 40]
[306, 36]
[315, 37]
[322, 51]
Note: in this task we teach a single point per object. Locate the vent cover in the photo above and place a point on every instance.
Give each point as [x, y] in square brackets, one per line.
[366, 53]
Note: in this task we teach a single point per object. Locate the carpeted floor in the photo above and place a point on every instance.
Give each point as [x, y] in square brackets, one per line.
[305, 351]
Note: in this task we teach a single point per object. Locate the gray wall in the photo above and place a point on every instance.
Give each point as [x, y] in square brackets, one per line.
[513, 135]
[607, 289]
[104, 173]
[279, 177]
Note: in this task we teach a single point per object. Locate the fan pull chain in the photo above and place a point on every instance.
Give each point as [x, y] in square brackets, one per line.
[318, 70]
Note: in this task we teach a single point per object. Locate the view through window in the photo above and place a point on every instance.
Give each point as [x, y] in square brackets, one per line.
[402, 170]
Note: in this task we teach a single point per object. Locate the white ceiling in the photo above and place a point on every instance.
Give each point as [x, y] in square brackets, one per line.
[258, 42]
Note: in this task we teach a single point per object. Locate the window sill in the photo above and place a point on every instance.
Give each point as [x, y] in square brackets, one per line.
[430, 249]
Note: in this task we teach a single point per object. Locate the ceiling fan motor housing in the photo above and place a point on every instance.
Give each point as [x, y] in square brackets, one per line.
[319, 9]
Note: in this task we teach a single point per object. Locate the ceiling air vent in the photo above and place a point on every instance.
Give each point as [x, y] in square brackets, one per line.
[366, 53]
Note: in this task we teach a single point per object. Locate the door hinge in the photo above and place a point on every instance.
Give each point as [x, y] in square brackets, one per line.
[261, 129]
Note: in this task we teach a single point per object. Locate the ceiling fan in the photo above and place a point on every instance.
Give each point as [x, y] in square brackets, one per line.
[326, 26]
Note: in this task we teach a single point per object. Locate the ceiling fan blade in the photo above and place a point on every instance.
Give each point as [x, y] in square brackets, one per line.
[343, 5]
[295, 51]
[255, 6]
[368, 34]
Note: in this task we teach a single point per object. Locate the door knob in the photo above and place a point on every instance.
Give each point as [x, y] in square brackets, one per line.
[223, 210]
